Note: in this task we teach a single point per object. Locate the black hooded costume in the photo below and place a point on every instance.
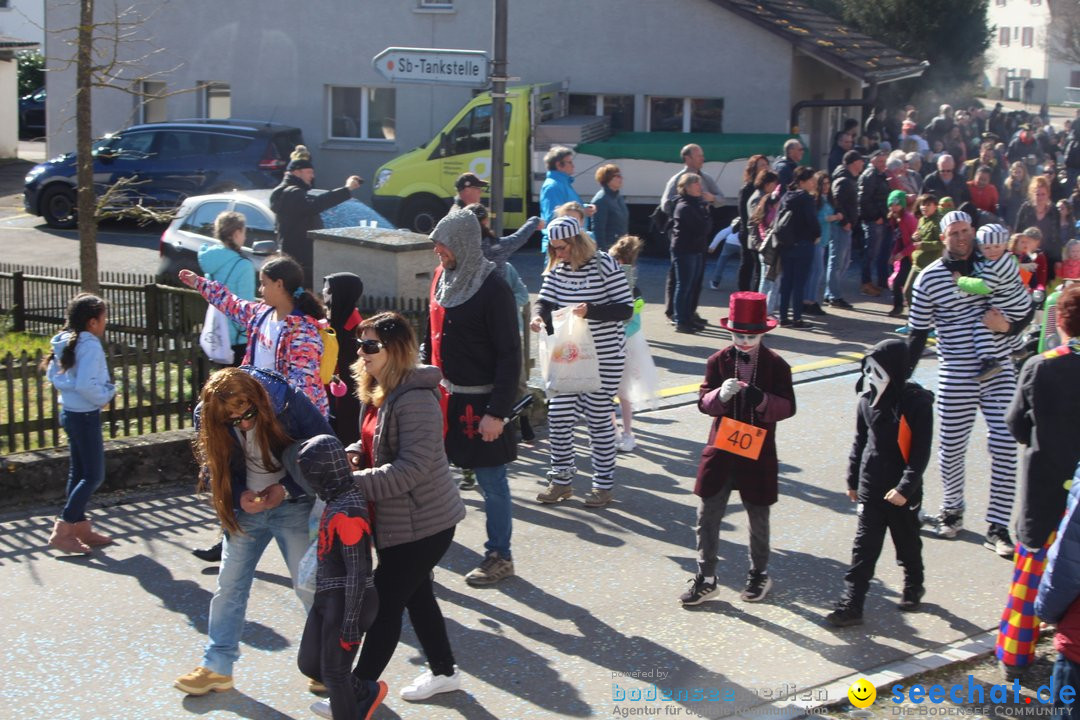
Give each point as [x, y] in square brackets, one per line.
[346, 601]
[345, 292]
[882, 459]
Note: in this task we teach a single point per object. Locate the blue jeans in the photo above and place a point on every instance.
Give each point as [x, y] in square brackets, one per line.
[815, 280]
[87, 469]
[241, 551]
[728, 253]
[1066, 672]
[770, 289]
[795, 268]
[497, 506]
[839, 260]
[876, 254]
[689, 270]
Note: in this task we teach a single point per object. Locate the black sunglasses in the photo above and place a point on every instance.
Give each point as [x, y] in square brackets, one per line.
[371, 347]
[251, 412]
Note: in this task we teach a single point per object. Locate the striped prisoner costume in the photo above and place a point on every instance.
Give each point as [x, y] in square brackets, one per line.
[936, 303]
[600, 283]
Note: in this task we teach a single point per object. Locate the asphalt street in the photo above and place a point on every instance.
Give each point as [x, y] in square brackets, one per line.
[591, 614]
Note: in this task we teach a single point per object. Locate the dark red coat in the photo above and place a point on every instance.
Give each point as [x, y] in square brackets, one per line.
[756, 480]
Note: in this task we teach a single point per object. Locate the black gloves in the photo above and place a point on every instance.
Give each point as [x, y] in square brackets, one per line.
[754, 395]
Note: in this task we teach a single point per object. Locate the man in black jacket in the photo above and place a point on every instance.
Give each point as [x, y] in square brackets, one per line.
[297, 208]
[473, 338]
[845, 199]
[785, 166]
[873, 210]
[945, 182]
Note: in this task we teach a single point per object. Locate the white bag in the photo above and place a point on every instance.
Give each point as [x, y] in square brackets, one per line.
[640, 381]
[568, 361]
[215, 338]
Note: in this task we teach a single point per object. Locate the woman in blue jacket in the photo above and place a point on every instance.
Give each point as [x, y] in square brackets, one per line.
[245, 420]
[226, 264]
[797, 256]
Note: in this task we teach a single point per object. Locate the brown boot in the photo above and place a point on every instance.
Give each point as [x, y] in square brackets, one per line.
[85, 532]
[63, 538]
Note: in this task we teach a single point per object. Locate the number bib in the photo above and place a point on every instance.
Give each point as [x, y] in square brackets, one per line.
[740, 438]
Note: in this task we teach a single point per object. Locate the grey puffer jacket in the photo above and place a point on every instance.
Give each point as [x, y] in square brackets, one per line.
[409, 481]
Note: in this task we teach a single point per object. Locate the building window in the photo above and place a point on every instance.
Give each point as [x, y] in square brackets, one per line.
[686, 114]
[436, 4]
[1028, 37]
[620, 108]
[1003, 37]
[359, 113]
[215, 100]
[1016, 33]
[152, 106]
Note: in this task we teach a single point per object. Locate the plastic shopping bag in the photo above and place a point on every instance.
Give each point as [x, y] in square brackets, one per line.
[568, 360]
[309, 564]
[640, 381]
[215, 338]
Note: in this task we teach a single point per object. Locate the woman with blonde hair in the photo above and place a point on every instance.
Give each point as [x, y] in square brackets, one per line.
[593, 285]
[1038, 211]
[245, 420]
[400, 464]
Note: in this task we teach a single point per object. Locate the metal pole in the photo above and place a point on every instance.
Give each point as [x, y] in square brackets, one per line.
[498, 116]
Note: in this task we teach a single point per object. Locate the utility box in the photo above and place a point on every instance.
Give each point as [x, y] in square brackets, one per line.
[392, 263]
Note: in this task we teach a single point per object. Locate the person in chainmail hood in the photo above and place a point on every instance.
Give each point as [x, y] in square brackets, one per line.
[472, 336]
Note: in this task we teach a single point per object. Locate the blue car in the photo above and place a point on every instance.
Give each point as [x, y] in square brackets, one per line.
[166, 162]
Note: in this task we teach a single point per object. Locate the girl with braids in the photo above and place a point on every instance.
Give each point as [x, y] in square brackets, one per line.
[283, 329]
[245, 421]
[76, 367]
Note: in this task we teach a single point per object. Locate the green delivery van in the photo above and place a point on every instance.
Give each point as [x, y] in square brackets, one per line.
[416, 189]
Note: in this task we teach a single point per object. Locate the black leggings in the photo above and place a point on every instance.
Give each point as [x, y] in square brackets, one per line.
[322, 657]
[403, 580]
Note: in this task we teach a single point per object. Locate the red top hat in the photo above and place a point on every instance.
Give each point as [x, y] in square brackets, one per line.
[747, 314]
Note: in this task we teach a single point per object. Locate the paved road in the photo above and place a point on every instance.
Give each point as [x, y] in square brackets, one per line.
[591, 614]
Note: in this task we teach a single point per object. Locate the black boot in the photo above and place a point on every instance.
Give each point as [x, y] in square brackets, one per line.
[527, 434]
[211, 554]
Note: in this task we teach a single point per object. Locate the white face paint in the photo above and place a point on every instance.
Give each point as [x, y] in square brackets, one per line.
[875, 379]
[745, 343]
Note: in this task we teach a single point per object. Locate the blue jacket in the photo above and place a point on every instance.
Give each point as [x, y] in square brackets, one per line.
[557, 190]
[1060, 585]
[87, 385]
[612, 218]
[301, 419]
[236, 273]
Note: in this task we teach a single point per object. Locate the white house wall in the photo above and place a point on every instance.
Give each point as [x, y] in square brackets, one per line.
[23, 20]
[278, 56]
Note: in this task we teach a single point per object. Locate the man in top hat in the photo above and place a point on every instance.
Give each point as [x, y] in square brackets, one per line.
[297, 209]
[747, 390]
[470, 188]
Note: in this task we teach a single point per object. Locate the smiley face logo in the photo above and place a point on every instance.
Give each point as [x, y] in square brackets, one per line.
[861, 693]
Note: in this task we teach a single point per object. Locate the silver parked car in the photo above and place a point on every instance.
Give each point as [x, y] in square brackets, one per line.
[194, 225]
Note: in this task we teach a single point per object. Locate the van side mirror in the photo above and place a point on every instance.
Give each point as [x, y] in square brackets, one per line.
[263, 247]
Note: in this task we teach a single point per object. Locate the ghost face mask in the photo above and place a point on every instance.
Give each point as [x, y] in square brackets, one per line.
[745, 343]
[873, 381]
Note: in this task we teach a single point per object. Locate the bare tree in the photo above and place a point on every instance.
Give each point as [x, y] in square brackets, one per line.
[112, 51]
[1063, 32]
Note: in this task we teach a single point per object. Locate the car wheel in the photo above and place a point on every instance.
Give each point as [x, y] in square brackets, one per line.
[58, 207]
[422, 214]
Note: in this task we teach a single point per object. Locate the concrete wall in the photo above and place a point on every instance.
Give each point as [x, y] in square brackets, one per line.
[41, 477]
[814, 80]
[9, 107]
[24, 20]
[279, 56]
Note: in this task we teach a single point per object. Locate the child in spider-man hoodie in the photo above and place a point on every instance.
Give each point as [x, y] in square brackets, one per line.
[345, 597]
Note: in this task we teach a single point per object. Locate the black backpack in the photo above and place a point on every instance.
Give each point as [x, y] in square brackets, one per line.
[782, 233]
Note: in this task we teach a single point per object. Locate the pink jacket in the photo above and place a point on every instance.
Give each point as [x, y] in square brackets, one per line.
[902, 242]
[299, 349]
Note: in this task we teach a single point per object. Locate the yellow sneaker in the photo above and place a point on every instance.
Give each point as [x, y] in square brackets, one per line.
[201, 681]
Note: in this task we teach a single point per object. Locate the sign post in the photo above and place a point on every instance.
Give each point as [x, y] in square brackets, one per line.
[433, 66]
[498, 117]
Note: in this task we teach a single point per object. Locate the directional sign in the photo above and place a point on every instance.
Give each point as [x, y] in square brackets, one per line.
[433, 66]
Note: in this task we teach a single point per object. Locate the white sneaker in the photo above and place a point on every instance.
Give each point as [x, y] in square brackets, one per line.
[322, 709]
[427, 685]
[627, 443]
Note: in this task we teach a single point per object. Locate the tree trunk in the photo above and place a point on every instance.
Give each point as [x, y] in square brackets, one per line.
[88, 260]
